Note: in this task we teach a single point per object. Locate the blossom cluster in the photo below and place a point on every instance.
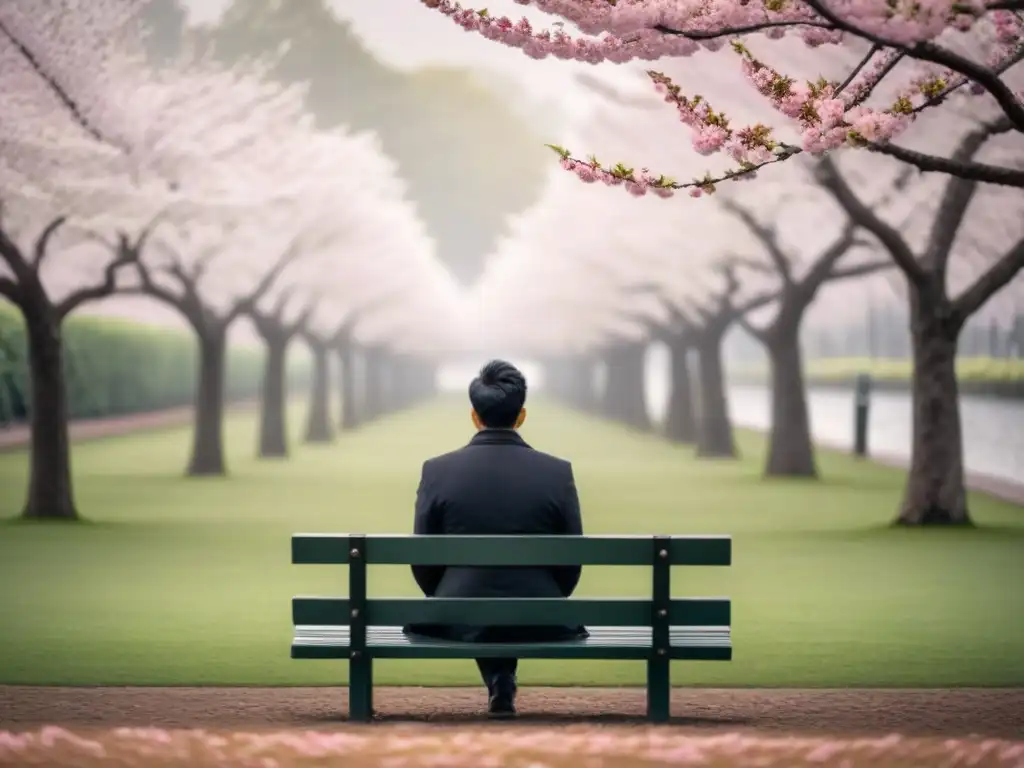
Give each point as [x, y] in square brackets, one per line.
[412, 746]
[829, 114]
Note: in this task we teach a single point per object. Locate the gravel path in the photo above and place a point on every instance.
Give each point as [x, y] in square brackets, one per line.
[960, 712]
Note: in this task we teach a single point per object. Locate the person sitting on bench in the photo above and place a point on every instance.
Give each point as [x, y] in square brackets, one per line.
[497, 485]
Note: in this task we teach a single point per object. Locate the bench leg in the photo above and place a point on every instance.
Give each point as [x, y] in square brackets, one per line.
[659, 688]
[360, 689]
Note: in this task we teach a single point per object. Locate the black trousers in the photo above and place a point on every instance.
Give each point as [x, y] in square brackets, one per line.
[491, 670]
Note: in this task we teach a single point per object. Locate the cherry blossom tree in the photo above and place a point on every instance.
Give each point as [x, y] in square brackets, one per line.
[894, 65]
[52, 157]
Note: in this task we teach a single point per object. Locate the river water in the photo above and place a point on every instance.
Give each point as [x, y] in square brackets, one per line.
[993, 428]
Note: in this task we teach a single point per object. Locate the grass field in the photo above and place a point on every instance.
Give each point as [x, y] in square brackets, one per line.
[181, 581]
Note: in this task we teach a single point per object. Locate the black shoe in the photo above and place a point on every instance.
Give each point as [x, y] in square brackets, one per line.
[502, 702]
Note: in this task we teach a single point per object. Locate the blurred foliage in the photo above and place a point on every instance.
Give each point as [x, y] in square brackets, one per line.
[468, 159]
[115, 368]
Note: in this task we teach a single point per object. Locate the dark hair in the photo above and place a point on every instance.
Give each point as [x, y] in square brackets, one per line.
[498, 394]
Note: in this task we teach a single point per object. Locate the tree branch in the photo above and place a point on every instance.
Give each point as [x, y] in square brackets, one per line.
[823, 266]
[248, 303]
[928, 51]
[10, 291]
[832, 181]
[127, 253]
[768, 237]
[62, 95]
[42, 247]
[987, 174]
[956, 197]
[761, 334]
[997, 276]
[860, 270]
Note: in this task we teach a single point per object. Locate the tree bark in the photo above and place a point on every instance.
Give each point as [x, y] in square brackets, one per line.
[208, 431]
[50, 494]
[273, 396]
[625, 386]
[373, 394]
[790, 448]
[714, 431]
[680, 421]
[934, 492]
[350, 415]
[318, 424]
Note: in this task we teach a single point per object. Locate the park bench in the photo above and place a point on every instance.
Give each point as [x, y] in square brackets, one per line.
[657, 630]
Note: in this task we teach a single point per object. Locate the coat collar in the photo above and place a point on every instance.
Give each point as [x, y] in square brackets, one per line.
[498, 437]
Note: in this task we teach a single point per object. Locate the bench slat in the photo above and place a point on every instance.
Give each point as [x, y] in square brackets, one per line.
[333, 549]
[627, 612]
[710, 643]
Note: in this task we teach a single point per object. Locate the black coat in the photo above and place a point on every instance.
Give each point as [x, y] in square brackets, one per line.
[497, 485]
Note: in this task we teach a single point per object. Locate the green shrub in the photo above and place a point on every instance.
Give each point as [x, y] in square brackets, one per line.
[115, 367]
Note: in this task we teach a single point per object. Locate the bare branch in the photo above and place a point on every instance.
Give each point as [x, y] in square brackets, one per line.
[860, 270]
[42, 247]
[767, 235]
[956, 198]
[759, 333]
[987, 174]
[754, 265]
[823, 266]
[991, 281]
[247, 304]
[127, 253]
[831, 180]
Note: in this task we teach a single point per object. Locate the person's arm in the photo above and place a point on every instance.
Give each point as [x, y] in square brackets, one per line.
[426, 522]
[568, 576]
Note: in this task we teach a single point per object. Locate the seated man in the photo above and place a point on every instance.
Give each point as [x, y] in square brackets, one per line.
[497, 485]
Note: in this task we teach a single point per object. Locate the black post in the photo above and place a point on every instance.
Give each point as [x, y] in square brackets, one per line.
[861, 411]
[360, 664]
[659, 685]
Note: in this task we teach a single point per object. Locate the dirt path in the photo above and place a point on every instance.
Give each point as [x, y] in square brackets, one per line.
[960, 713]
[12, 438]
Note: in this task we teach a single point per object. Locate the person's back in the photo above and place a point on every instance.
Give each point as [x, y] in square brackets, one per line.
[497, 485]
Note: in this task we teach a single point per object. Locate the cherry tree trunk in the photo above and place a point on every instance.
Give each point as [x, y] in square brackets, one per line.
[50, 494]
[208, 430]
[350, 416]
[714, 427]
[935, 492]
[680, 421]
[584, 390]
[790, 448]
[373, 397]
[318, 424]
[273, 397]
[625, 390]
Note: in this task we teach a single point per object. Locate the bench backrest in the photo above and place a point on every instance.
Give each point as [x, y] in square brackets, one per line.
[658, 552]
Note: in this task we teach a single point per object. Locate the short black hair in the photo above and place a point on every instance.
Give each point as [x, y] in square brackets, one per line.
[498, 394]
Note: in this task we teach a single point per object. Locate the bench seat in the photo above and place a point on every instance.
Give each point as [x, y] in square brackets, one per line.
[686, 643]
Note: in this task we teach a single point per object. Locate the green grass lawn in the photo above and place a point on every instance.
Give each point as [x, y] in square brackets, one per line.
[181, 581]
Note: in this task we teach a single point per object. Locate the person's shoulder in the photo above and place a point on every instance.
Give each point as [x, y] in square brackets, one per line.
[440, 460]
[551, 460]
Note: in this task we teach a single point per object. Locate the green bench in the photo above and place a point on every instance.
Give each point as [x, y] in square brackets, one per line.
[657, 630]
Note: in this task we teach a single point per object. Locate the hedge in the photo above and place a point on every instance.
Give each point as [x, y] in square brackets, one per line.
[115, 368]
